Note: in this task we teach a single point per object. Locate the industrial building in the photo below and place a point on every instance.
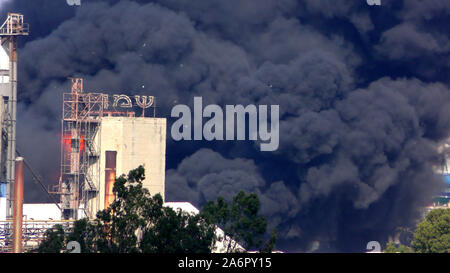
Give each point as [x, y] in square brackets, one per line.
[134, 141]
[443, 199]
[102, 138]
[103, 135]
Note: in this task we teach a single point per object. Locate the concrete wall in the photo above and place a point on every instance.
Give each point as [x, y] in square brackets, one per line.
[137, 141]
[5, 88]
[2, 208]
[4, 58]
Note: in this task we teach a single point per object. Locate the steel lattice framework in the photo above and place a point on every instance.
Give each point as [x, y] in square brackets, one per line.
[80, 149]
[32, 232]
[81, 117]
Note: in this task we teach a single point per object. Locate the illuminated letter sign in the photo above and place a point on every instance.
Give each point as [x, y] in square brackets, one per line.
[126, 104]
[145, 101]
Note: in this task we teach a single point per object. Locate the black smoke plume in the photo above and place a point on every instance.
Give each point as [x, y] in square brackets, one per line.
[363, 94]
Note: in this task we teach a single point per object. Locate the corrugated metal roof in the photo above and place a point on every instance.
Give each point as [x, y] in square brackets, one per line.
[184, 206]
[222, 243]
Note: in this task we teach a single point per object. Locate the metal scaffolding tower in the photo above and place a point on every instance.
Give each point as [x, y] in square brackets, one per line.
[9, 32]
[81, 117]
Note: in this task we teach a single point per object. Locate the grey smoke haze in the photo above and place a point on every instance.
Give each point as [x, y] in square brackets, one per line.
[363, 94]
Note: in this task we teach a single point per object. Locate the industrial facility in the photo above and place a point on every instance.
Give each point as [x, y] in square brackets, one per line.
[101, 139]
[10, 31]
[443, 199]
[102, 136]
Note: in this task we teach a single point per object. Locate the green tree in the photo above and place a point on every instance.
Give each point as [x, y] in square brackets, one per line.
[433, 233]
[393, 248]
[119, 225]
[241, 222]
[85, 234]
[136, 222]
[53, 241]
[178, 232]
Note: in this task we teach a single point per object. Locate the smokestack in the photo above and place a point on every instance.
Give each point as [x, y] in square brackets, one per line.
[18, 206]
[9, 32]
[110, 176]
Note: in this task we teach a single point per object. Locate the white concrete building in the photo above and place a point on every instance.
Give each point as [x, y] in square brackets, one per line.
[137, 141]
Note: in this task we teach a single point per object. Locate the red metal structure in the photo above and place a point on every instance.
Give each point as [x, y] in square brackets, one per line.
[80, 148]
[81, 117]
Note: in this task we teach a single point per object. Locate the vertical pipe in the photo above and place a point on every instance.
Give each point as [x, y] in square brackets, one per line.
[110, 176]
[18, 206]
[12, 104]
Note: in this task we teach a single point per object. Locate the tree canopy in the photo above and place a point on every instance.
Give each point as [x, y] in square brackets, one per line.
[393, 248]
[137, 222]
[241, 222]
[432, 235]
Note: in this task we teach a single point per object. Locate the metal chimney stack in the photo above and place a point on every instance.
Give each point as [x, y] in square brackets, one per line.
[10, 30]
[110, 176]
[18, 207]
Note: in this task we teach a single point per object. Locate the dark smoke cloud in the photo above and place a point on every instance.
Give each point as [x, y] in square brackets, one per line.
[218, 176]
[363, 94]
[420, 40]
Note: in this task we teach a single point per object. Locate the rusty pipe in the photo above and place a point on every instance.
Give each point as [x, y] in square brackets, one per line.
[110, 176]
[18, 206]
